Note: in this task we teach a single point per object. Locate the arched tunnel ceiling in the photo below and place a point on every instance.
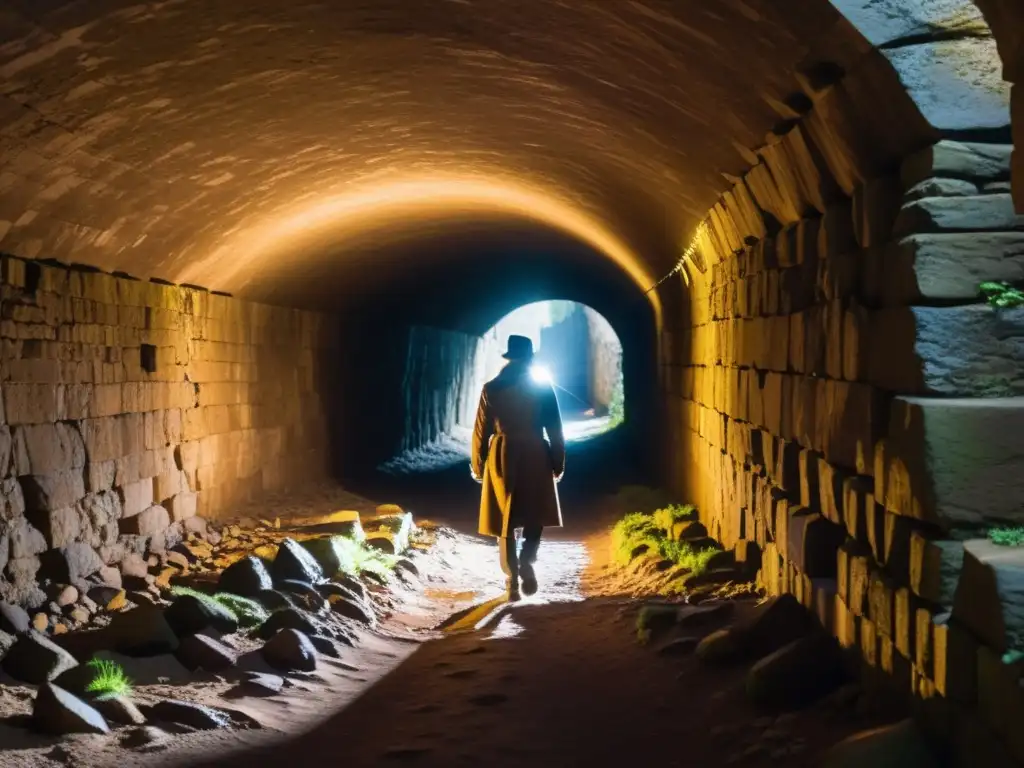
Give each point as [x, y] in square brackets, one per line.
[205, 140]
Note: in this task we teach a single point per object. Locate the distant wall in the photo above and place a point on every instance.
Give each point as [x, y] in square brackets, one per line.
[128, 407]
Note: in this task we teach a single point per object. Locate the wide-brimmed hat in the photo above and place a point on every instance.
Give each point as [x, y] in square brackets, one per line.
[519, 348]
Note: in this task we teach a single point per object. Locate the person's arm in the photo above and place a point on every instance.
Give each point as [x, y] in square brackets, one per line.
[482, 432]
[553, 426]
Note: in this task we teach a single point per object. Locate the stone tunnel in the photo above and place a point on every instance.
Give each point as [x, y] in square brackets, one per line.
[219, 222]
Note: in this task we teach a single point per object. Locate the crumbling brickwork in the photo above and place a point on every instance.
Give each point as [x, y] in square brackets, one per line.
[128, 408]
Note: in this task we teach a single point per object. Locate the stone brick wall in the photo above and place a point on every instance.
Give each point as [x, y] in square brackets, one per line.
[846, 410]
[605, 360]
[438, 384]
[128, 408]
[846, 402]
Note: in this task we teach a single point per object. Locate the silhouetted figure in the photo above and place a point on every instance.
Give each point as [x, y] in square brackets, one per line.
[516, 464]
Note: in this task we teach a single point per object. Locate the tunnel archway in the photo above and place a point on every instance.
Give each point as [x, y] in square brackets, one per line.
[576, 350]
[785, 208]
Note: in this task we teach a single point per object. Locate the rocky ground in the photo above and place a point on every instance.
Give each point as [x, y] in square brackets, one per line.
[422, 661]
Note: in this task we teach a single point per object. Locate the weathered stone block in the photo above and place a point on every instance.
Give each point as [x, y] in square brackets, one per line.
[813, 543]
[905, 606]
[966, 351]
[989, 598]
[42, 449]
[33, 403]
[881, 603]
[54, 491]
[954, 662]
[182, 506]
[946, 267]
[961, 214]
[857, 501]
[935, 568]
[953, 83]
[889, 21]
[861, 567]
[846, 417]
[945, 461]
[152, 521]
[978, 163]
[136, 497]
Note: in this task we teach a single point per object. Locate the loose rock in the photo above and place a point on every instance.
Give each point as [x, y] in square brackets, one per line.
[189, 614]
[893, 746]
[248, 577]
[797, 674]
[261, 684]
[187, 713]
[287, 618]
[59, 712]
[290, 649]
[14, 619]
[295, 563]
[344, 606]
[109, 598]
[36, 659]
[203, 652]
[120, 710]
[721, 647]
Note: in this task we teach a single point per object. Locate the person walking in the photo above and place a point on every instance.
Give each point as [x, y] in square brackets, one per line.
[518, 455]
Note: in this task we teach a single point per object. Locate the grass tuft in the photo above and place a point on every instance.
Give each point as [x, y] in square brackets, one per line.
[1007, 537]
[110, 681]
[639, 530]
[358, 557]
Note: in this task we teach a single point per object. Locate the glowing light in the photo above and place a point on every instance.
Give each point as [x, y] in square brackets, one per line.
[326, 224]
[541, 374]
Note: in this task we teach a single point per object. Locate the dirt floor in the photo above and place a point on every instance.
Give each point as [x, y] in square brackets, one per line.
[458, 677]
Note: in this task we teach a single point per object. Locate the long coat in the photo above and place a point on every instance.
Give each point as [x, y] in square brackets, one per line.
[511, 457]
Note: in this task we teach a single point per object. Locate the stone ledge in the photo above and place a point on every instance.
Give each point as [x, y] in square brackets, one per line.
[968, 351]
[956, 463]
[993, 213]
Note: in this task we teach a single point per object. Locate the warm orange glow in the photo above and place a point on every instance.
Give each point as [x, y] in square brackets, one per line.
[376, 208]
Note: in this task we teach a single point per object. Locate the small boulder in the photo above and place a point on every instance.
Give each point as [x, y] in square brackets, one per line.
[407, 566]
[290, 650]
[287, 618]
[721, 647]
[345, 586]
[186, 713]
[776, 623]
[60, 712]
[326, 553]
[189, 614]
[352, 609]
[143, 631]
[118, 709]
[273, 600]
[901, 745]
[34, 658]
[40, 622]
[260, 684]
[247, 577]
[14, 619]
[326, 646]
[146, 739]
[306, 594]
[203, 652]
[293, 562]
[797, 674]
[66, 595]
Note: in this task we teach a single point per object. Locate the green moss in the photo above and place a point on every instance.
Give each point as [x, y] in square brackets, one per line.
[1007, 537]
[110, 680]
[1002, 295]
[640, 531]
[617, 406]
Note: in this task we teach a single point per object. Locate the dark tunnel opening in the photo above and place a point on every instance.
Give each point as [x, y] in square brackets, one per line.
[443, 301]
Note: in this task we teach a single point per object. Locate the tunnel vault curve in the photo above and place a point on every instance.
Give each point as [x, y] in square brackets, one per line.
[823, 377]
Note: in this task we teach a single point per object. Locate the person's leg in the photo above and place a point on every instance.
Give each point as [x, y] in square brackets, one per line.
[510, 562]
[528, 556]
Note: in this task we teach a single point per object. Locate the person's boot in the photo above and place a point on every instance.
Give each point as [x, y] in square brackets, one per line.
[529, 579]
[512, 589]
